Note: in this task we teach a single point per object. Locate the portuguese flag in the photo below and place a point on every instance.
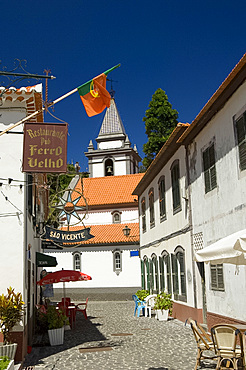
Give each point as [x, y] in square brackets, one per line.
[94, 95]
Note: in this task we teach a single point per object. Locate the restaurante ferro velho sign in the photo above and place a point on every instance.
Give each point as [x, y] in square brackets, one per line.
[45, 147]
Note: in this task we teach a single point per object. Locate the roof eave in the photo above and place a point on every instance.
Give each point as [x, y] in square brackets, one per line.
[166, 152]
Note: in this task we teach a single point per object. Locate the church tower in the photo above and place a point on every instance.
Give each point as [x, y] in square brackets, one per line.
[114, 155]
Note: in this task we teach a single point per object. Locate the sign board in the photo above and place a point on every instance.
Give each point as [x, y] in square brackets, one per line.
[67, 239]
[45, 148]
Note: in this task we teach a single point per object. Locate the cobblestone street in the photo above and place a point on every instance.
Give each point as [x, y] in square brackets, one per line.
[112, 338]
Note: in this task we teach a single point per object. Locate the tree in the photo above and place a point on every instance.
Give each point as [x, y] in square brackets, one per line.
[160, 120]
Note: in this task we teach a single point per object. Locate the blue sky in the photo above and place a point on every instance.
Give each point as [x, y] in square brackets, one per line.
[187, 48]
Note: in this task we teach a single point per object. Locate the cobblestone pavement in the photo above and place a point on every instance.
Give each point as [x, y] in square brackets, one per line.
[151, 344]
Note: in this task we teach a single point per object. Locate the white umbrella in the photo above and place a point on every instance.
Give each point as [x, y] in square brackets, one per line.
[231, 249]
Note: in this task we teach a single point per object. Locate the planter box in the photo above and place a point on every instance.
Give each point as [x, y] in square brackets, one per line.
[56, 336]
[11, 365]
[162, 315]
[8, 350]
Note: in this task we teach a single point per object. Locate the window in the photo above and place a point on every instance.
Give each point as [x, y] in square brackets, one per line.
[217, 279]
[175, 187]
[178, 274]
[165, 273]
[162, 200]
[116, 217]
[151, 208]
[109, 167]
[241, 140]
[143, 213]
[117, 262]
[77, 261]
[155, 277]
[209, 168]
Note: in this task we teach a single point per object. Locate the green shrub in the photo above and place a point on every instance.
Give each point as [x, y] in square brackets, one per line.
[4, 361]
[142, 294]
[11, 310]
[163, 302]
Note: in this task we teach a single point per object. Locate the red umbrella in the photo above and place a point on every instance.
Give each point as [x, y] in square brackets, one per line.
[63, 276]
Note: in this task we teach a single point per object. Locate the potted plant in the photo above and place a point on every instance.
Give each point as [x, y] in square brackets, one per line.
[11, 311]
[163, 306]
[56, 320]
[142, 294]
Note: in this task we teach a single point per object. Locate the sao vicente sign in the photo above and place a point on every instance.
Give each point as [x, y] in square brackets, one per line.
[66, 239]
[45, 147]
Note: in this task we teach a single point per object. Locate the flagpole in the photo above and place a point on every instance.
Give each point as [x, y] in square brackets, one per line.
[49, 105]
[37, 112]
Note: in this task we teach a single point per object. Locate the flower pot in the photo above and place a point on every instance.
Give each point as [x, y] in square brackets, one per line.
[56, 336]
[11, 365]
[8, 350]
[162, 315]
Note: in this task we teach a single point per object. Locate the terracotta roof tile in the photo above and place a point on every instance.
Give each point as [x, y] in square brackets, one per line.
[109, 190]
[110, 234]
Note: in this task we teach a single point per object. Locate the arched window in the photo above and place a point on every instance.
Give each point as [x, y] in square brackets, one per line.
[143, 214]
[165, 272]
[175, 186]
[151, 208]
[77, 261]
[146, 276]
[162, 198]
[116, 217]
[155, 273]
[178, 274]
[109, 167]
[117, 261]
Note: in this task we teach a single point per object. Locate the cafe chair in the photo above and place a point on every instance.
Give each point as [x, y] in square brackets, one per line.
[204, 342]
[228, 344]
[139, 305]
[149, 304]
[83, 308]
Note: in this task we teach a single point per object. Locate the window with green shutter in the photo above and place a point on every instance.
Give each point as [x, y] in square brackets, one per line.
[241, 140]
[151, 208]
[217, 278]
[180, 255]
[175, 278]
[143, 213]
[175, 187]
[151, 277]
[143, 274]
[162, 200]
[167, 265]
[155, 274]
[209, 168]
[162, 276]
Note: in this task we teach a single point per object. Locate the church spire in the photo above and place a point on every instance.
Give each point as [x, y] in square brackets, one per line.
[112, 124]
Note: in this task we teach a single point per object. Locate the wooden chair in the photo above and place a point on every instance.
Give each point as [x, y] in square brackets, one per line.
[228, 344]
[204, 343]
[83, 309]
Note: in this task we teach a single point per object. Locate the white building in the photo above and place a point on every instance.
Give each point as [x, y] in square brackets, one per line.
[23, 204]
[110, 258]
[216, 147]
[165, 232]
[201, 169]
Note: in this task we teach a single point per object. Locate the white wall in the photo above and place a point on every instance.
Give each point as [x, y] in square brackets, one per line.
[221, 211]
[99, 265]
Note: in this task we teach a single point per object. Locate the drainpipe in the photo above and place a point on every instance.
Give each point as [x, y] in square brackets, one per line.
[191, 225]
